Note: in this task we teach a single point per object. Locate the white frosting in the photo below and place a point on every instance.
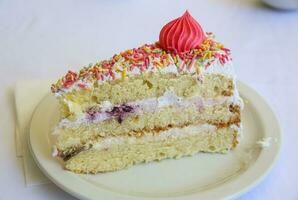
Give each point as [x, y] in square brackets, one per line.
[236, 99]
[169, 69]
[169, 98]
[106, 106]
[75, 86]
[54, 151]
[135, 71]
[153, 104]
[171, 133]
[217, 68]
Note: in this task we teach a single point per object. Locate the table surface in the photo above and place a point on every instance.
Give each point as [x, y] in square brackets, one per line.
[42, 40]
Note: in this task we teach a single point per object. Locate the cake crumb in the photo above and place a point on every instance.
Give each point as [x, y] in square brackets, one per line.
[264, 142]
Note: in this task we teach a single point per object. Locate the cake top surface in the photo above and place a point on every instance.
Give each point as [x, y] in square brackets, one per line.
[183, 48]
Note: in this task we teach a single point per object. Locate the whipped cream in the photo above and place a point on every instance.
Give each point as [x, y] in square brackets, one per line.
[171, 133]
[216, 68]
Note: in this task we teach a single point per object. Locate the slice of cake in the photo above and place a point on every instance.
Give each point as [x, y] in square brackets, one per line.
[172, 98]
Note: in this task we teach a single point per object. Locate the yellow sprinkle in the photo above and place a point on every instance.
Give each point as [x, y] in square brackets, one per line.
[129, 51]
[219, 45]
[175, 59]
[205, 56]
[209, 55]
[123, 73]
[167, 60]
[156, 50]
[158, 64]
[147, 49]
[100, 69]
[198, 69]
[197, 51]
[117, 57]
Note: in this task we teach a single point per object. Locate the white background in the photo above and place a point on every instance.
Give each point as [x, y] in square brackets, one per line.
[43, 39]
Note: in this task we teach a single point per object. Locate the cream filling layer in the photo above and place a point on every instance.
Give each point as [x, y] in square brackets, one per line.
[151, 105]
[170, 133]
[173, 133]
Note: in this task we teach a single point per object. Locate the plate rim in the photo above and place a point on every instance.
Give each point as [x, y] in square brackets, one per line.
[72, 189]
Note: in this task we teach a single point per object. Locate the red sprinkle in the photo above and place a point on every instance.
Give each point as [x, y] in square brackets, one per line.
[82, 85]
[97, 75]
[69, 79]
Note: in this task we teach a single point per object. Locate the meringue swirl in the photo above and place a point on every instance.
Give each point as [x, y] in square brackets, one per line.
[181, 35]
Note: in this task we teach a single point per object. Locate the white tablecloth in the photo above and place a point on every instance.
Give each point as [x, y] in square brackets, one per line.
[43, 39]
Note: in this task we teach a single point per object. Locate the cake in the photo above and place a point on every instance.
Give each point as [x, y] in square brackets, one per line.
[172, 98]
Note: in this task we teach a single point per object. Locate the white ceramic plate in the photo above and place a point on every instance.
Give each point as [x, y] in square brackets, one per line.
[203, 176]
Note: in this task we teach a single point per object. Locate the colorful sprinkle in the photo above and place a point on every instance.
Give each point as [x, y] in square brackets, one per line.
[145, 56]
